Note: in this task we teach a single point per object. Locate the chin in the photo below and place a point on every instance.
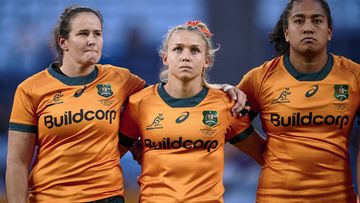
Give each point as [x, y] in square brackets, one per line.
[93, 60]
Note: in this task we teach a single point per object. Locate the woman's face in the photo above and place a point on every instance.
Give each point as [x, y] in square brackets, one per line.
[186, 55]
[85, 41]
[308, 30]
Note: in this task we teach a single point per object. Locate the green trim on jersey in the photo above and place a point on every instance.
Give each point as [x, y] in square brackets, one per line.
[23, 128]
[181, 103]
[318, 76]
[252, 114]
[83, 80]
[125, 140]
[242, 136]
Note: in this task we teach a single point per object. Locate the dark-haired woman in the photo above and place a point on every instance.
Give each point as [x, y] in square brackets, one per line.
[307, 99]
[71, 112]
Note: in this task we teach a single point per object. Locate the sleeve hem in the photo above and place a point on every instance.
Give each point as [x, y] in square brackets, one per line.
[242, 136]
[23, 128]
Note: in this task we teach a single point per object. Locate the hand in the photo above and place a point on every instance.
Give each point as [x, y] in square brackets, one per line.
[241, 107]
[136, 151]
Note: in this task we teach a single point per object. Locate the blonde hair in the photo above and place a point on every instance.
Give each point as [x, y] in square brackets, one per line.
[195, 26]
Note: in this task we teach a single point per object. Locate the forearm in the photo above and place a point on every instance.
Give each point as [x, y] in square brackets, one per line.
[358, 172]
[17, 183]
[20, 151]
[253, 146]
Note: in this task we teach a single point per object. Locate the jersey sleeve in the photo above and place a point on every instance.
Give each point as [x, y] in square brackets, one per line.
[239, 127]
[129, 128]
[250, 86]
[133, 84]
[23, 114]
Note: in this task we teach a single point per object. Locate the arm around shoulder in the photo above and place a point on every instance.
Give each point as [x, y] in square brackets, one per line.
[21, 147]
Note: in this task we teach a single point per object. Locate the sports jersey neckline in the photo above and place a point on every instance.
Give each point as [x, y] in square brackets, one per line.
[318, 76]
[181, 103]
[83, 80]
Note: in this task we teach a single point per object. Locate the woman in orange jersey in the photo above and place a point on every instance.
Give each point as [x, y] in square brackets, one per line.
[71, 112]
[307, 99]
[184, 123]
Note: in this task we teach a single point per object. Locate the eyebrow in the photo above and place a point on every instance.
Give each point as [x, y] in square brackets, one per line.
[87, 30]
[193, 45]
[312, 16]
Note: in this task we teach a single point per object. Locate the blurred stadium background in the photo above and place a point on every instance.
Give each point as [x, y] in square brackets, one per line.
[132, 34]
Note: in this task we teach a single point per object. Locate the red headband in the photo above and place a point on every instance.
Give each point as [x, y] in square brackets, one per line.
[196, 23]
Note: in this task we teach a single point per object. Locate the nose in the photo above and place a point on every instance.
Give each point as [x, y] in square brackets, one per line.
[91, 40]
[185, 56]
[308, 27]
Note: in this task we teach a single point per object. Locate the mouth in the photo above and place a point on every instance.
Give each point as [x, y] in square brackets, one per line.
[91, 51]
[185, 68]
[308, 39]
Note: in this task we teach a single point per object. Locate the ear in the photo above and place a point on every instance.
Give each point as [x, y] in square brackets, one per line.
[329, 34]
[63, 43]
[164, 59]
[207, 61]
[286, 34]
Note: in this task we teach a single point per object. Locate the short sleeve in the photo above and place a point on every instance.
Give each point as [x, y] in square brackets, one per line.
[239, 128]
[249, 85]
[23, 114]
[133, 84]
[129, 121]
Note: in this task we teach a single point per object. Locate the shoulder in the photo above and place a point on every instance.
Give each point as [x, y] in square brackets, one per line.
[34, 81]
[343, 62]
[267, 67]
[258, 74]
[143, 94]
[216, 93]
[219, 96]
[107, 68]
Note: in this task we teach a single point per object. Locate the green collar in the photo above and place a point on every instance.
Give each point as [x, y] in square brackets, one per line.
[72, 81]
[183, 102]
[318, 76]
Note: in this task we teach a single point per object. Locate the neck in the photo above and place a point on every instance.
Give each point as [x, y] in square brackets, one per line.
[75, 69]
[183, 89]
[308, 63]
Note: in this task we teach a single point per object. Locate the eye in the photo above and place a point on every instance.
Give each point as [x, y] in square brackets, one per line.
[83, 33]
[195, 50]
[317, 21]
[178, 49]
[298, 21]
[98, 34]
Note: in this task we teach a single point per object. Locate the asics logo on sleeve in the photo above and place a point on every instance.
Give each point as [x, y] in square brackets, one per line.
[182, 117]
[312, 91]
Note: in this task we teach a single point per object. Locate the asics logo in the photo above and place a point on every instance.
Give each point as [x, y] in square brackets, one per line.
[182, 117]
[312, 91]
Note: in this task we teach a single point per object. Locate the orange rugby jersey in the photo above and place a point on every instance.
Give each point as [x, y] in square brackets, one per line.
[183, 143]
[307, 119]
[77, 122]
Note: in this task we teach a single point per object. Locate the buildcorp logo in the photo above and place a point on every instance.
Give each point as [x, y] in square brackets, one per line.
[167, 143]
[70, 117]
[298, 119]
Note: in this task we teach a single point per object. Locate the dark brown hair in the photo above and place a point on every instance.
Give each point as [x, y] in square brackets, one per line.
[63, 26]
[277, 37]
